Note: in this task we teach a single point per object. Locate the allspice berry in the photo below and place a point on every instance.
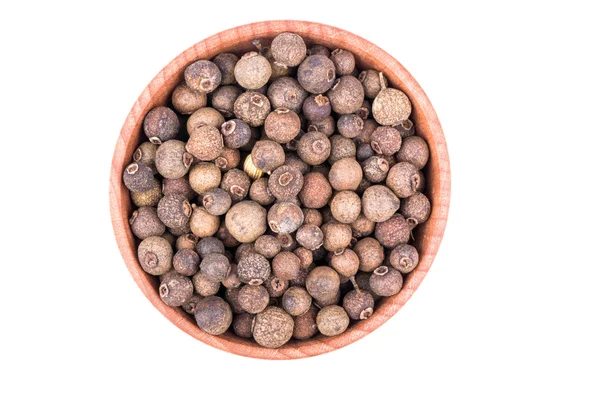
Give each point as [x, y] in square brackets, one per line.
[404, 258]
[287, 242]
[186, 100]
[305, 256]
[146, 154]
[170, 238]
[362, 227]
[267, 155]
[332, 320]
[343, 61]
[318, 49]
[209, 245]
[244, 249]
[161, 124]
[253, 298]
[288, 49]
[190, 305]
[225, 236]
[236, 133]
[273, 327]
[174, 211]
[292, 160]
[370, 254]
[155, 254]
[228, 159]
[316, 74]
[375, 169]
[252, 71]
[346, 95]
[205, 286]
[313, 148]
[203, 223]
[350, 125]
[345, 206]
[345, 263]
[259, 192]
[316, 191]
[276, 286]
[236, 183]
[223, 99]
[203, 76]
[386, 140]
[305, 325]
[204, 176]
[231, 295]
[341, 147]
[326, 126]
[172, 161]
[296, 301]
[282, 125]
[316, 107]
[175, 289]
[178, 186]
[232, 280]
[322, 283]
[406, 128]
[336, 236]
[345, 174]
[144, 223]
[242, 325]
[359, 304]
[284, 217]
[416, 208]
[403, 178]
[215, 267]
[379, 203]
[390, 107]
[216, 201]
[310, 236]
[253, 269]
[205, 143]
[213, 315]
[285, 183]
[312, 217]
[286, 265]
[394, 231]
[186, 262]
[252, 107]
[267, 245]
[372, 82]
[149, 198]
[287, 93]
[226, 64]
[186, 241]
[138, 177]
[246, 221]
[204, 116]
[385, 281]
[414, 150]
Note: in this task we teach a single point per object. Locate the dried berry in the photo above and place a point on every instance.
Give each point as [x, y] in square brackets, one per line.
[182, 230]
[416, 208]
[273, 327]
[326, 126]
[244, 249]
[203, 223]
[296, 301]
[313, 148]
[187, 241]
[379, 203]
[267, 245]
[318, 49]
[186, 100]
[359, 304]
[254, 269]
[316, 107]
[305, 256]
[205, 143]
[345, 263]
[386, 140]
[362, 227]
[286, 93]
[215, 267]
[203, 76]
[312, 217]
[364, 111]
[204, 116]
[190, 305]
[343, 61]
[170, 238]
[332, 320]
[391, 107]
[406, 128]
[288, 49]
[346, 95]
[394, 231]
[236, 183]
[385, 281]
[276, 286]
[236, 133]
[259, 192]
[149, 198]
[341, 147]
[213, 315]
[345, 174]
[322, 283]
[336, 236]
[226, 64]
[209, 245]
[232, 280]
[138, 177]
[226, 237]
[224, 98]
[345, 206]
[362, 282]
[285, 217]
[179, 186]
[175, 289]
[186, 262]
[253, 298]
[242, 325]
[155, 254]
[246, 221]
[285, 183]
[414, 150]
[282, 125]
[404, 258]
[350, 125]
[267, 155]
[316, 74]
[403, 178]
[316, 191]
[310, 236]
[372, 82]
[370, 254]
[174, 210]
[369, 126]
[172, 161]
[375, 169]
[287, 242]
[204, 177]
[232, 295]
[305, 325]
[252, 107]
[252, 71]
[216, 201]
[144, 223]
[146, 154]
[161, 124]
[286, 265]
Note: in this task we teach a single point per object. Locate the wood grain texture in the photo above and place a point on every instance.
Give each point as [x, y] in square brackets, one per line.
[428, 236]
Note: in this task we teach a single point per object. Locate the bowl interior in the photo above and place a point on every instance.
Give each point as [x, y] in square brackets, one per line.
[238, 40]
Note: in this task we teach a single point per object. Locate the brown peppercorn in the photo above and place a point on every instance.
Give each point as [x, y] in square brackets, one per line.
[318, 49]
[287, 93]
[216, 201]
[364, 151]
[179, 186]
[242, 325]
[336, 236]
[203, 76]
[226, 64]
[267, 245]
[205, 286]
[386, 140]
[205, 143]
[414, 150]
[345, 206]
[232, 280]
[253, 298]
[416, 208]
[236, 133]
[404, 258]
[175, 289]
[359, 304]
[203, 223]
[370, 254]
[310, 236]
[209, 245]
[305, 256]
[326, 126]
[406, 128]
[379, 203]
[236, 183]
[285, 183]
[394, 231]
[362, 227]
[138, 177]
[225, 236]
[267, 155]
[403, 178]
[341, 147]
[346, 95]
[213, 315]
[322, 283]
[286, 265]
[276, 286]
[332, 320]
[365, 110]
[204, 177]
[369, 126]
[316, 191]
[292, 160]
[223, 99]
[343, 61]
[186, 100]
[259, 192]
[287, 242]
[350, 125]
[186, 241]
[345, 174]
[282, 125]
[161, 124]
[228, 159]
[147, 198]
[252, 107]
[246, 221]
[253, 269]
[172, 161]
[232, 295]
[170, 238]
[186, 262]
[273, 327]
[305, 325]
[313, 148]
[375, 169]
[252, 71]
[285, 217]
[144, 223]
[316, 107]
[296, 301]
[174, 211]
[190, 305]
[243, 249]
[288, 49]
[390, 107]
[182, 230]
[372, 82]
[155, 255]
[312, 217]
[345, 263]
[386, 281]
[316, 74]
[215, 267]
[204, 116]
[146, 154]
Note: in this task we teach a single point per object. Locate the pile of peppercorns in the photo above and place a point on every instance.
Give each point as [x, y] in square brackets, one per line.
[312, 227]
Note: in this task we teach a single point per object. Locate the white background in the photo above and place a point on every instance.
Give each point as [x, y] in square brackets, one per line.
[510, 308]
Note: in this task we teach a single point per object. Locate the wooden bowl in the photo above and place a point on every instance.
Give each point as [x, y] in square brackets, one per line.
[238, 40]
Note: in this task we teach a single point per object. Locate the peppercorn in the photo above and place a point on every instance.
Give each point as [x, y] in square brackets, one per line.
[172, 161]
[375, 169]
[236, 133]
[285, 183]
[232, 295]
[316, 74]
[390, 107]
[259, 192]
[326, 126]
[336, 236]
[179, 186]
[186, 262]
[359, 304]
[385, 281]
[170, 238]
[305, 256]
[379, 203]
[144, 223]
[364, 151]
[236, 183]
[213, 315]
[267, 155]
[232, 280]
[252, 107]
[350, 125]
[216, 201]
[318, 49]
[138, 177]
[362, 226]
[346, 95]
[190, 305]
[322, 283]
[313, 148]
[341, 147]
[242, 325]
[209, 245]
[215, 267]
[345, 263]
[186, 241]
[285, 217]
[345, 206]
[316, 107]
[226, 237]
[174, 211]
[186, 100]
[204, 116]
[175, 289]
[282, 125]
[369, 126]
[370, 254]
[204, 177]
[267, 245]
[292, 160]
[228, 159]
[332, 320]
[148, 198]
[146, 154]
[273, 327]
[288, 49]
[345, 174]
[414, 150]
[406, 128]
[226, 64]
[372, 82]
[343, 61]
[223, 99]
[286, 265]
[394, 231]
[252, 71]
[312, 217]
[296, 301]
[205, 143]
[287, 93]
[364, 111]
[243, 249]
[253, 298]
[202, 223]
[253, 269]
[181, 230]
[386, 140]
[155, 255]
[276, 286]
[404, 258]
[403, 178]
[310, 236]
[246, 221]
[161, 124]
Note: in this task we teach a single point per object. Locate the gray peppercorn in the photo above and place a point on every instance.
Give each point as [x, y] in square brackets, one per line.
[186, 262]
[209, 245]
[215, 267]
[242, 325]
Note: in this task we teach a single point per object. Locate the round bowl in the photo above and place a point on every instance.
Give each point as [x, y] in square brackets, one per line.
[427, 236]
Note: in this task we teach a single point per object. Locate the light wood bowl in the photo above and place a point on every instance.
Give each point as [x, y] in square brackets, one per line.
[158, 92]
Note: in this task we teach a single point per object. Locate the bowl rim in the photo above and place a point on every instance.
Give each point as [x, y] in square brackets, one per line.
[427, 122]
